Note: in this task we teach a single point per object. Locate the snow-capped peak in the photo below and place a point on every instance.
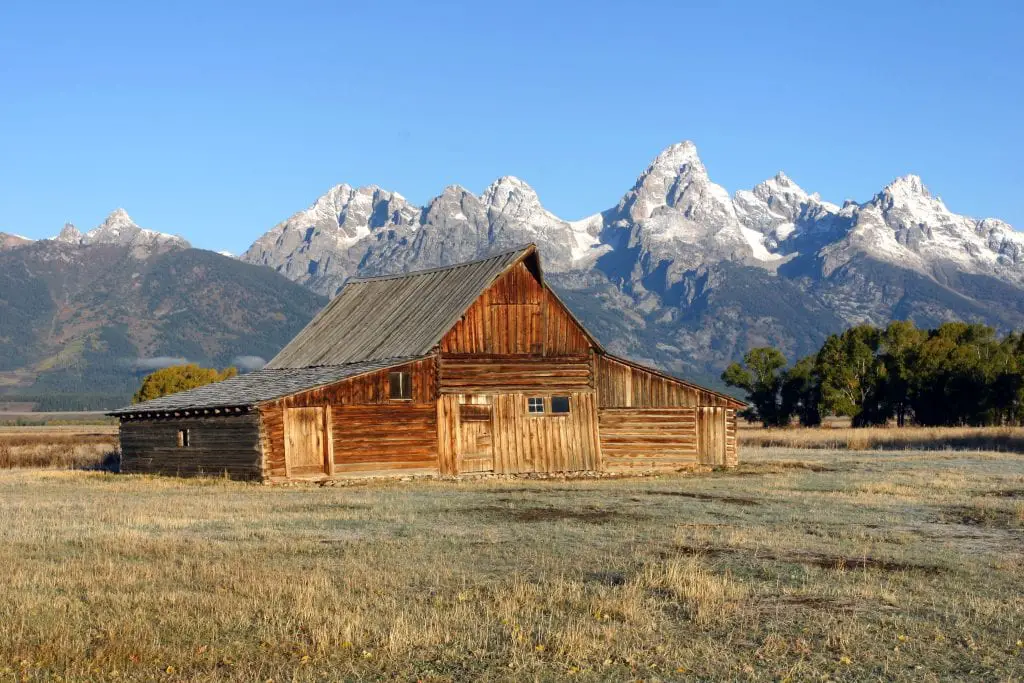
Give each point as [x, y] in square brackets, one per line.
[509, 193]
[119, 228]
[677, 181]
[780, 186]
[117, 220]
[907, 185]
[674, 157]
[69, 233]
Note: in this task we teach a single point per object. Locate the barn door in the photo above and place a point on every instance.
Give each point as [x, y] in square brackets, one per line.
[306, 441]
[475, 444]
[711, 436]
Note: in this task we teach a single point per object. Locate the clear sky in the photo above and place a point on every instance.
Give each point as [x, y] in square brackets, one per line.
[216, 120]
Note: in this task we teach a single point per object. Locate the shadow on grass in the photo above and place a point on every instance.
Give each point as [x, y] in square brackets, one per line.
[813, 559]
[533, 514]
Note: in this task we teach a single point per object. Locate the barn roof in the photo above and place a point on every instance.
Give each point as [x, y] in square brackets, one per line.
[396, 315]
[258, 386]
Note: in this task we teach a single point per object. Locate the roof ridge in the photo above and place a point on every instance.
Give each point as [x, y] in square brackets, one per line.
[428, 271]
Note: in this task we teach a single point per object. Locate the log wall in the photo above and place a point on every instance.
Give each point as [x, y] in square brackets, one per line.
[482, 374]
[700, 422]
[648, 438]
[217, 445]
[371, 434]
[517, 315]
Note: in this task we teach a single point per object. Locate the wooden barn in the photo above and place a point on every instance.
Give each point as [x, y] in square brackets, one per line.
[476, 367]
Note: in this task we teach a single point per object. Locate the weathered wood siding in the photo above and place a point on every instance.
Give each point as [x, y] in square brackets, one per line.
[476, 442]
[623, 385]
[217, 445]
[711, 436]
[516, 315]
[524, 442]
[482, 374]
[648, 438]
[306, 442]
[519, 441]
[731, 447]
[371, 434]
[704, 428]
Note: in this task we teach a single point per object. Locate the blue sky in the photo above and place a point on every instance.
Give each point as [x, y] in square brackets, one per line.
[216, 120]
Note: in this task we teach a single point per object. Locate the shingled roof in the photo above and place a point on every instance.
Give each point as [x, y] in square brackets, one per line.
[256, 387]
[396, 315]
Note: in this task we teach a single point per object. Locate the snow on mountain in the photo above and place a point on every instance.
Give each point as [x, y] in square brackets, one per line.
[695, 277]
[119, 229]
[692, 277]
[321, 241]
[905, 225]
[370, 230]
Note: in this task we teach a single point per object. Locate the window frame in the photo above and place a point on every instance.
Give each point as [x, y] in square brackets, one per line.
[404, 385]
[531, 402]
[184, 437]
[561, 413]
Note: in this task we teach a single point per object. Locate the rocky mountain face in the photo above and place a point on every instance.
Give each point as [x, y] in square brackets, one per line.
[679, 272]
[84, 316]
[9, 241]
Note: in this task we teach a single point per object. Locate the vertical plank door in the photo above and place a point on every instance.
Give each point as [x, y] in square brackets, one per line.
[476, 445]
[305, 443]
[711, 436]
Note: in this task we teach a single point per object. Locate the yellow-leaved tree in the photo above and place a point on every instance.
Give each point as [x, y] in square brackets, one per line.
[178, 378]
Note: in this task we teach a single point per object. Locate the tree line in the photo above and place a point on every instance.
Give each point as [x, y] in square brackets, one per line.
[958, 374]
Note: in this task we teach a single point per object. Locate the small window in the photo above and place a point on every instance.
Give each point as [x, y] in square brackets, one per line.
[535, 405]
[183, 438]
[400, 384]
[559, 404]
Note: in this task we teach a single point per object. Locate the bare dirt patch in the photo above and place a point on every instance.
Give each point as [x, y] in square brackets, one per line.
[708, 497]
[814, 559]
[533, 514]
[781, 467]
[1006, 493]
[983, 516]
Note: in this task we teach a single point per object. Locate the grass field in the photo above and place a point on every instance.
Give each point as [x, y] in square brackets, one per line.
[57, 446]
[799, 565]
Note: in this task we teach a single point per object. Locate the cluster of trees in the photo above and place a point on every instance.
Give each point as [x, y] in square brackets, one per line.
[178, 378]
[956, 374]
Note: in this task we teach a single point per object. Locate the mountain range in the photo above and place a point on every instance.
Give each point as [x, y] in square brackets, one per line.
[678, 272]
[84, 316]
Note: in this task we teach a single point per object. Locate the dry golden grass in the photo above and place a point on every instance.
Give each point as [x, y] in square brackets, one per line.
[1009, 439]
[849, 565]
[56, 447]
